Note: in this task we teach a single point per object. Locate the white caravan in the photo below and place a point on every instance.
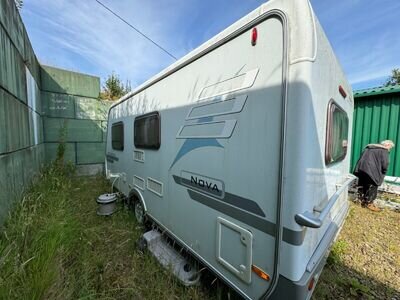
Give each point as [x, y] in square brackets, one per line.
[238, 151]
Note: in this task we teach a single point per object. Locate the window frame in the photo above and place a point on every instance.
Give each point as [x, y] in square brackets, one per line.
[332, 107]
[123, 135]
[144, 116]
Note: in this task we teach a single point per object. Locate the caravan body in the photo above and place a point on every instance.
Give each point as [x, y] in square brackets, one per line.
[238, 150]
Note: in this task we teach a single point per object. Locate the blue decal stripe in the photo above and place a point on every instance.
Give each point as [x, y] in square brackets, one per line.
[192, 144]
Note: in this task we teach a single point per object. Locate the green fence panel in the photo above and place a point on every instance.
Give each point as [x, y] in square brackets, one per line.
[93, 109]
[3, 129]
[6, 182]
[11, 21]
[69, 106]
[16, 120]
[67, 82]
[51, 152]
[26, 138]
[21, 165]
[376, 118]
[76, 130]
[12, 68]
[30, 165]
[41, 130]
[68, 101]
[90, 153]
[58, 105]
[17, 170]
[393, 133]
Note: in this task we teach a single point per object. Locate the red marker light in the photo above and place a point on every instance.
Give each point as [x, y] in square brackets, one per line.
[254, 35]
[342, 91]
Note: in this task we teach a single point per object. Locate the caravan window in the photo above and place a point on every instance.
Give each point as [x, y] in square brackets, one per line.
[147, 131]
[117, 136]
[336, 134]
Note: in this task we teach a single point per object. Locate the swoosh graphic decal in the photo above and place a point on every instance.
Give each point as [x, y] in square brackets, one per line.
[192, 144]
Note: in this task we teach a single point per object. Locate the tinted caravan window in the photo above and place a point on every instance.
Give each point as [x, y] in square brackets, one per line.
[337, 134]
[147, 131]
[117, 136]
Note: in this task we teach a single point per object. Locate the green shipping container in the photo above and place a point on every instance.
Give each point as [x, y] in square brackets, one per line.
[376, 118]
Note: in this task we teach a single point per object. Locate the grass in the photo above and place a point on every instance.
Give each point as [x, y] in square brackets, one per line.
[364, 263]
[54, 246]
[390, 197]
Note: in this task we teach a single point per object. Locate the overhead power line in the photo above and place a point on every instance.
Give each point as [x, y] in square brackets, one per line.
[134, 28]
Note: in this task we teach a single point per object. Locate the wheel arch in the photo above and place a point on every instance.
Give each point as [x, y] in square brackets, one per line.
[135, 193]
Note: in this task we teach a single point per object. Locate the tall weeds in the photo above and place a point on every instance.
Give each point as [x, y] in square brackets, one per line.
[37, 236]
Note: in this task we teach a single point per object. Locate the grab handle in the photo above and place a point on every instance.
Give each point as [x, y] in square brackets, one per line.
[309, 219]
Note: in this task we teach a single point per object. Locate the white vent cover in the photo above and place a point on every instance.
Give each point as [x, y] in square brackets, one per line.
[155, 186]
[138, 155]
[138, 182]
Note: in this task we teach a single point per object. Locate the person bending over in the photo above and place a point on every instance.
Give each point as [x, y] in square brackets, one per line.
[370, 170]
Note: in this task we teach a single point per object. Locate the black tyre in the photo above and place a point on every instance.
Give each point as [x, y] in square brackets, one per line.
[139, 212]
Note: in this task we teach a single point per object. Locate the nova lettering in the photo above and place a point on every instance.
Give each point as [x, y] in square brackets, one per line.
[204, 184]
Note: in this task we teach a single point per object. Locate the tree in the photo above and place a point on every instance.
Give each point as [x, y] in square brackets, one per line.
[394, 78]
[113, 88]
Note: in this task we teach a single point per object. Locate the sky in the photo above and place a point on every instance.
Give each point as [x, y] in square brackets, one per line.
[82, 36]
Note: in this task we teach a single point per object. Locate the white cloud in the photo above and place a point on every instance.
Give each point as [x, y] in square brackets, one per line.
[85, 30]
[83, 36]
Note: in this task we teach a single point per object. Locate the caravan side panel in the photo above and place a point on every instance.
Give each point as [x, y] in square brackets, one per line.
[214, 182]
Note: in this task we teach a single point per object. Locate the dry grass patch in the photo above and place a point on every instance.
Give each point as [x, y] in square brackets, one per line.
[365, 261]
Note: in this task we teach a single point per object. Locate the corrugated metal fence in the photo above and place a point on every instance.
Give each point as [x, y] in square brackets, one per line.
[376, 118]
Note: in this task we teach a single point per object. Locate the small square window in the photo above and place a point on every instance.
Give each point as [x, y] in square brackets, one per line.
[336, 134]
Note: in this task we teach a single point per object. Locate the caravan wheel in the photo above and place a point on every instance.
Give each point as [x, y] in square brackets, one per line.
[139, 212]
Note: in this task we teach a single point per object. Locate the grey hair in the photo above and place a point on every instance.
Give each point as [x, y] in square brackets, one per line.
[388, 142]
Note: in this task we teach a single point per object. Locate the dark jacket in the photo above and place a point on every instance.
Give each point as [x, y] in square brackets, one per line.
[374, 162]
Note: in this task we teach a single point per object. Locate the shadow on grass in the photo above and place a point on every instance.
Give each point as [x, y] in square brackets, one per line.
[338, 281]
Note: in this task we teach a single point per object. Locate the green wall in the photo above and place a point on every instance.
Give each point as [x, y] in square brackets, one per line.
[69, 100]
[22, 149]
[377, 118]
[66, 82]
[35, 101]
